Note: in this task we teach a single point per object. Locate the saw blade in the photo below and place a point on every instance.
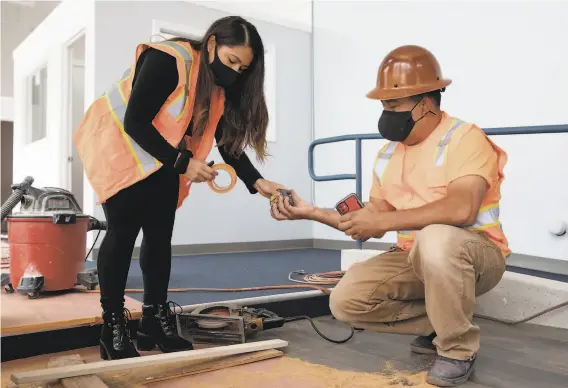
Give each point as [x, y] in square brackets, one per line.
[212, 324]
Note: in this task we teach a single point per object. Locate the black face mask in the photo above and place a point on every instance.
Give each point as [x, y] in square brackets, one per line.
[224, 75]
[396, 126]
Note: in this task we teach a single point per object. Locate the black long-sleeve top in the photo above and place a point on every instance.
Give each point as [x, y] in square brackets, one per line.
[156, 77]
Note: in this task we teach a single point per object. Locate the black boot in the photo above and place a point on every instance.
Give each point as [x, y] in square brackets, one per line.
[158, 328]
[115, 342]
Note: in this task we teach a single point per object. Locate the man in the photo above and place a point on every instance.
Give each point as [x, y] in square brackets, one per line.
[437, 183]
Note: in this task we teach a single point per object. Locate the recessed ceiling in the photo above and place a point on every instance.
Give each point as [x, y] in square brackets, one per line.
[22, 3]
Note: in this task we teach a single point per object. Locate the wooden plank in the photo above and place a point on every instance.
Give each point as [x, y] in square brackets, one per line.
[72, 382]
[52, 374]
[90, 381]
[140, 376]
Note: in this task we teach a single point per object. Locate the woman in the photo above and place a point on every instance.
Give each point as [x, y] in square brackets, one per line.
[146, 140]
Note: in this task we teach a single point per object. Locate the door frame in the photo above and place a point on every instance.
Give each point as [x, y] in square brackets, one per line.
[67, 112]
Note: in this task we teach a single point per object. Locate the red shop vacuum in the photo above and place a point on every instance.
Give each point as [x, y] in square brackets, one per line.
[47, 239]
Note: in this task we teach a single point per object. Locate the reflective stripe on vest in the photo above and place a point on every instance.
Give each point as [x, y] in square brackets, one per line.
[118, 103]
[126, 73]
[117, 106]
[442, 149]
[176, 107]
[487, 217]
[383, 159]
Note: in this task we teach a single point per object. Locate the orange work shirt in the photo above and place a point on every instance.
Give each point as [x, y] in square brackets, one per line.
[409, 177]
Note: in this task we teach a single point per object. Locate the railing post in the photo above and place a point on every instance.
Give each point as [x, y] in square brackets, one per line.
[358, 177]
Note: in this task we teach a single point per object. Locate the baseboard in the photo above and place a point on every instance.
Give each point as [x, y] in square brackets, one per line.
[238, 247]
[534, 263]
[339, 245]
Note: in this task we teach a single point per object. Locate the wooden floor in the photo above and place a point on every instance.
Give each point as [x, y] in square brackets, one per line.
[21, 315]
[524, 356]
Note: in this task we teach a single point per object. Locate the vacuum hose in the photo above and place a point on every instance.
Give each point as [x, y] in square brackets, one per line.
[95, 224]
[17, 194]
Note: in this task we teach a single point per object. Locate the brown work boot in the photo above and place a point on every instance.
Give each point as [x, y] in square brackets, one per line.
[448, 372]
[424, 345]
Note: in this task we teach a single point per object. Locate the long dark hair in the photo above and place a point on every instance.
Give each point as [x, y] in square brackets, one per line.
[245, 118]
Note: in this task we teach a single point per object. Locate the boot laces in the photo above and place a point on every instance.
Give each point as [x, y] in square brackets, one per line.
[167, 317]
[120, 330]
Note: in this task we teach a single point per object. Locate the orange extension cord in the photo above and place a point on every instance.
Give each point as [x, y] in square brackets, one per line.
[309, 281]
[261, 288]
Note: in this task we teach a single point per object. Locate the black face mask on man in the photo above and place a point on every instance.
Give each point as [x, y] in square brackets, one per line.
[224, 75]
[396, 126]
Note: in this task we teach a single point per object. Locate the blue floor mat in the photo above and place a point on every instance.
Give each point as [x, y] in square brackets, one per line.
[235, 270]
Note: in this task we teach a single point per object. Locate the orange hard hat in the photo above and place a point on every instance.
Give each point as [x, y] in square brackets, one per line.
[408, 71]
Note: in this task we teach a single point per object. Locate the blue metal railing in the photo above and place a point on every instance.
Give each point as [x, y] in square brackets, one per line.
[542, 129]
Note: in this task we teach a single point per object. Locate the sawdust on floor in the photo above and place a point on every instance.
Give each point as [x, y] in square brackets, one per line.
[286, 372]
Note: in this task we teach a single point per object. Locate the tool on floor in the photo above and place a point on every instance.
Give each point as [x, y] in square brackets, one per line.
[47, 240]
[229, 324]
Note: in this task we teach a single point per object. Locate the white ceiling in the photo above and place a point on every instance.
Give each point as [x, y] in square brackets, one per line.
[22, 3]
[290, 13]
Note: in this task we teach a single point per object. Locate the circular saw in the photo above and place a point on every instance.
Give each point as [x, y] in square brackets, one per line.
[225, 324]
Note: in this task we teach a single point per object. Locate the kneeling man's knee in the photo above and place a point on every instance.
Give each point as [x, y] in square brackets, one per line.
[435, 244]
[344, 307]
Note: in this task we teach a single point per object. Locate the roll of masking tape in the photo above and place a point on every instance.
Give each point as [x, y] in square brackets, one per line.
[229, 170]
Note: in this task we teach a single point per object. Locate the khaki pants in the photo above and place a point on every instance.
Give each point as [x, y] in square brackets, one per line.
[431, 288]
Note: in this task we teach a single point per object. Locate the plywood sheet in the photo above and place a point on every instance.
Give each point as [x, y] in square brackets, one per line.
[21, 315]
[136, 377]
[286, 372]
[141, 376]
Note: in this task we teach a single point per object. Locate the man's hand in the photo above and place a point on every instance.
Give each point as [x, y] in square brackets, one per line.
[367, 222]
[266, 188]
[282, 210]
[198, 171]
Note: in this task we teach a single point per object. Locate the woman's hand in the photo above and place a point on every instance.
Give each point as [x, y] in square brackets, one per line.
[266, 188]
[198, 171]
[284, 211]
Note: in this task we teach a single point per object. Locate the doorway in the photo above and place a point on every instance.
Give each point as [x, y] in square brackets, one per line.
[75, 110]
[6, 163]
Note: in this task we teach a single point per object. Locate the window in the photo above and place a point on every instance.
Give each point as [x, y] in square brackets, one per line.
[37, 108]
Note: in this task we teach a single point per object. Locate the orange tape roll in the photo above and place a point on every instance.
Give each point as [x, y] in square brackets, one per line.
[231, 171]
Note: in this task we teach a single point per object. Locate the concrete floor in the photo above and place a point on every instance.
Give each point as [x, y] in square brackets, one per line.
[524, 356]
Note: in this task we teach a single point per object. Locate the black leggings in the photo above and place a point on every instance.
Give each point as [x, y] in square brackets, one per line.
[149, 205]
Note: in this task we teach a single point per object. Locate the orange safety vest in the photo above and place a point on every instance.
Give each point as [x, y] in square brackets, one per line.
[112, 159]
[388, 172]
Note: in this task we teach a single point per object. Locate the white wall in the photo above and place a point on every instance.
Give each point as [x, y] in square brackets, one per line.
[18, 21]
[508, 63]
[288, 13]
[238, 216]
[45, 159]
